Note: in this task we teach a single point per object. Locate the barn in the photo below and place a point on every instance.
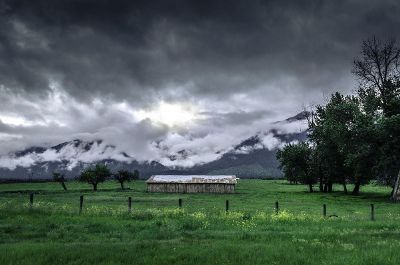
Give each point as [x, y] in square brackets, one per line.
[192, 183]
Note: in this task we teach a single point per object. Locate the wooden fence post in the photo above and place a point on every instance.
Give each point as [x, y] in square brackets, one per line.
[227, 205]
[276, 207]
[31, 200]
[180, 203]
[130, 204]
[324, 210]
[80, 204]
[372, 212]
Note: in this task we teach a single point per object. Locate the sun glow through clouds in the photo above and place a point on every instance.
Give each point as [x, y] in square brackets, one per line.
[17, 121]
[172, 115]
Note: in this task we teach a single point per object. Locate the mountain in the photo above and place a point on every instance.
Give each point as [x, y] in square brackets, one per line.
[254, 157]
[299, 117]
[249, 159]
[70, 160]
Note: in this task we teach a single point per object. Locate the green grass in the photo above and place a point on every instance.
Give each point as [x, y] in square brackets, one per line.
[157, 232]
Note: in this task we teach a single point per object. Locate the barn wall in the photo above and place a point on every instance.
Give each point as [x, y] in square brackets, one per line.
[191, 187]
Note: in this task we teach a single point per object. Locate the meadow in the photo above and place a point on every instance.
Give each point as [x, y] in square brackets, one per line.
[157, 231]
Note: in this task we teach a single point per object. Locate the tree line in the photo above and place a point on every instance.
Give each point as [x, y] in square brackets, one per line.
[353, 139]
[98, 174]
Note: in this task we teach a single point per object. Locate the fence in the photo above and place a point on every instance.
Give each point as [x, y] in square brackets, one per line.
[227, 204]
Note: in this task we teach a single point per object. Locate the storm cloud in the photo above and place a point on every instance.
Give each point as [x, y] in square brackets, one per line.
[85, 69]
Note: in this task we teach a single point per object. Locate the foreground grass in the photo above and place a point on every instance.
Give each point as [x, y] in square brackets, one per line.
[157, 232]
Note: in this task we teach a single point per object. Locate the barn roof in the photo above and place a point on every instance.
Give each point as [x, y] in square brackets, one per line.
[227, 179]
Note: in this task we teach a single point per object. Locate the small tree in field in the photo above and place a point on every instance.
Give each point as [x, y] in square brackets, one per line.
[59, 177]
[123, 176]
[95, 175]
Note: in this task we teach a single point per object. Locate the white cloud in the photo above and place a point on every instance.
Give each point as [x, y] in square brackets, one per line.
[11, 162]
[270, 142]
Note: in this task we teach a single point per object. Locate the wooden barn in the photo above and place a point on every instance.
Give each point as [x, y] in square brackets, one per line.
[192, 183]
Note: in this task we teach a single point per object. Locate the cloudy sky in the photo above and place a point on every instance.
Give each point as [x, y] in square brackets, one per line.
[157, 77]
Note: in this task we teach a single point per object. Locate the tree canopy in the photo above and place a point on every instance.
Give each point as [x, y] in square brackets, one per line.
[295, 163]
[95, 175]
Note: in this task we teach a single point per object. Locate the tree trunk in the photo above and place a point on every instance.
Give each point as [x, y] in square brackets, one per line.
[395, 190]
[356, 189]
[321, 185]
[63, 185]
[122, 185]
[325, 187]
[330, 187]
[344, 188]
[95, 186]
[310, 186]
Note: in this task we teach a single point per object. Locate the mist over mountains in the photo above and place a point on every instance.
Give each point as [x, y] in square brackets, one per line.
[253, 157]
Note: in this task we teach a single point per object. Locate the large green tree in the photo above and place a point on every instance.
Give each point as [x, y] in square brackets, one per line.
[332, 129]
[378, 72]
[344, 138]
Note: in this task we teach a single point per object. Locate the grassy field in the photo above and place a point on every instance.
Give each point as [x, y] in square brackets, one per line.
[158, 232]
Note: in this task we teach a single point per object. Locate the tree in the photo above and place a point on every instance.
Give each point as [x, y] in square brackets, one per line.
[285, 158]
[344, 140]
[123, 176]
[95, 175]
[378, 71]
[330, 134]
[295, 160]
[361, 153]
[59, 177]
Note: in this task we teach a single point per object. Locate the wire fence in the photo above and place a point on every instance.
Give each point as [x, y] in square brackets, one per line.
[129, 205]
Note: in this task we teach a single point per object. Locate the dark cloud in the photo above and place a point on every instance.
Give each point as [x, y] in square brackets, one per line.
[140, 48]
